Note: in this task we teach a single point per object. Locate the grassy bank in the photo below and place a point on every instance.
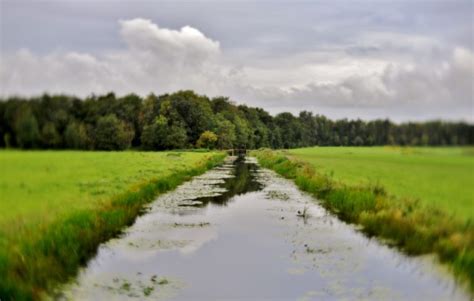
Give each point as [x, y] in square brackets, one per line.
[411, 224]
[57, 207]
[441, 177]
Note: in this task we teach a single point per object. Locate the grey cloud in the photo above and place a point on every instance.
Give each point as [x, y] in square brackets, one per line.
[379, 58]
[435, 90]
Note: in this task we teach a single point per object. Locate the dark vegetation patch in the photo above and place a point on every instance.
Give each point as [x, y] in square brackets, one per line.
[136, 288]
[184, 120]
[278, 195]
[191, 225]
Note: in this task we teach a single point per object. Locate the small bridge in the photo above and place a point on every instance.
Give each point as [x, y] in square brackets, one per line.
[237, 151]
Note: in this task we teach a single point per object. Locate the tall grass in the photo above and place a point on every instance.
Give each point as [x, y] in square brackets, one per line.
[44, 256]
[414, 227]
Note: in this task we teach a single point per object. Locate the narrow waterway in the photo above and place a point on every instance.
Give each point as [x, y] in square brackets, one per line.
[235, 233]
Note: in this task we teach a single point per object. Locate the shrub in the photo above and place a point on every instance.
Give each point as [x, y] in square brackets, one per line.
[207, 140]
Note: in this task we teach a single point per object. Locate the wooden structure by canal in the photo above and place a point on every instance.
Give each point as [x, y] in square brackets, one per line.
[237, 152]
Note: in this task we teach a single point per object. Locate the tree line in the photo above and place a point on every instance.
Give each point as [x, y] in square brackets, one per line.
[187, 120]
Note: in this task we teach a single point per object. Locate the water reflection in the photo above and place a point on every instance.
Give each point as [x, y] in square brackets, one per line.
[254, 247]
[244, 181]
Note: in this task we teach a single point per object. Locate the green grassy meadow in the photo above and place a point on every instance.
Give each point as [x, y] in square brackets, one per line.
[442, 177]
[38, 186]
[57, 206]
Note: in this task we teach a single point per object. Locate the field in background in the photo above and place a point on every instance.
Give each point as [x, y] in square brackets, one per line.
[40, 185]
[437, 176]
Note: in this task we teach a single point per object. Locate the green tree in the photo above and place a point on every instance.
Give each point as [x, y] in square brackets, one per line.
[176, 137]
[207, 140]
[50, 137]
[112, 133]
[225, 131]
[38, 121]
[26, 128]
[358, 141]
[128, 109]
[161, 135]
[242, 132]
[290, 129]
[76, 136]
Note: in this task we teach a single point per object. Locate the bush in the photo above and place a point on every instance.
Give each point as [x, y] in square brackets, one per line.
[207, 140]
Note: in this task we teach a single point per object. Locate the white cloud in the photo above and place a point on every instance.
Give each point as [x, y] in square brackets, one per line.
[161, 60]
[156, 59]
[187, 47]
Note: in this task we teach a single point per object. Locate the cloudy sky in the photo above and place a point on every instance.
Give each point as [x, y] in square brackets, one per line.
[406, 60]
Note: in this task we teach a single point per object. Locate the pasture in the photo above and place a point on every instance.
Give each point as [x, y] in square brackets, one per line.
[45, 184]
[441, 177]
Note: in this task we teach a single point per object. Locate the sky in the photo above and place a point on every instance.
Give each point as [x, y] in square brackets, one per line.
[403, 60]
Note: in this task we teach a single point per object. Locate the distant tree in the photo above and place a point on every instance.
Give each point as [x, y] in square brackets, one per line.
[207, 140]
[177, 120]
[128, 109]
[309, 130]
[176, 138]
[161, 135]
[7, 140]
[3, 125]
[189, 110]
[242, 132]
[149, 110]
[336, 141]
[50, 137]
[345, 140]
[221, 104]
[358, 141]
[153, 135]
[75, 136]
[26, 129]
[225, 131]
[112, 133]
[290, 129]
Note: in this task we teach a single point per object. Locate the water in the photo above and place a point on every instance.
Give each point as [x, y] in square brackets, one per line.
[234, 233]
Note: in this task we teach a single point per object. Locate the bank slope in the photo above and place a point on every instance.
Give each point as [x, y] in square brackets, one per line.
[37, 253]
[405, 222]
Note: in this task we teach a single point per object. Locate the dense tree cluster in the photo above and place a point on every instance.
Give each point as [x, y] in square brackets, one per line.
[186, 120]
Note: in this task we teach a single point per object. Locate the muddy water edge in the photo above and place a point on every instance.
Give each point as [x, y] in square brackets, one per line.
[241, 232]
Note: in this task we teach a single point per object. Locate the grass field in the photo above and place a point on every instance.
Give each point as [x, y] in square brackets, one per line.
[40, 185]
[57, 206]
[442, 177]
